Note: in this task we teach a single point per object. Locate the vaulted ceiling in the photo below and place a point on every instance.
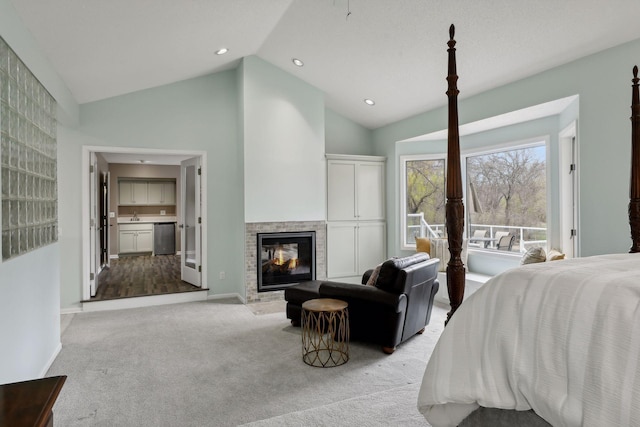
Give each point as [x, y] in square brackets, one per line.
[391, 51]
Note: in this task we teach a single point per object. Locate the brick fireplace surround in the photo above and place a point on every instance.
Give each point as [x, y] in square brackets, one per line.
[250, 254]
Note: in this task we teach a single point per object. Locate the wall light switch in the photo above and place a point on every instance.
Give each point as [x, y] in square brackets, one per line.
[163, 212]
[112, 214]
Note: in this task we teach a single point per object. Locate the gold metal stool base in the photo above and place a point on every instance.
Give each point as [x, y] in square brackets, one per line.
[325, 332]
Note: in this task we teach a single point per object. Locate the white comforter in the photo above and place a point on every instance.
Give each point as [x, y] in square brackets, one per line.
[561, 338]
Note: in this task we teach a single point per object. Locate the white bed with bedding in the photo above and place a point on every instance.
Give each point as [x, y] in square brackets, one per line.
[550, 343]
[560, 338]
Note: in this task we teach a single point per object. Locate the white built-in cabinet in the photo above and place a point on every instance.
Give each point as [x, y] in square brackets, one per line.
[140, 192]
[356, 226]
[161, 193]
[134, 238]
[133, 192]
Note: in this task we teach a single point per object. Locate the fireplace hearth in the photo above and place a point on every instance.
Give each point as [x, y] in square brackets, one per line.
[285, 258]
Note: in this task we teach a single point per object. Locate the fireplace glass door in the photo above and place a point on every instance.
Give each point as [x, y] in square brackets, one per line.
[285, 259]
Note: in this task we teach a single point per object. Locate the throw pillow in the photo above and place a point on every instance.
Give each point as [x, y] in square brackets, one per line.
[555, 255]
[533, 255]
[423, 245]
[374, 276]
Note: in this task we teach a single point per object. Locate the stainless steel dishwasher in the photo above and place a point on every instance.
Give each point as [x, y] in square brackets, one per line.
[164, 238]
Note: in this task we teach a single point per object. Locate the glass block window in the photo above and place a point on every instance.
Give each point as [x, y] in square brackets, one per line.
[28, 159]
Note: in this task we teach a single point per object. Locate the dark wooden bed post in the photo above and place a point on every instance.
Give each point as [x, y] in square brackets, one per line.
[454, 209]
[634, 188]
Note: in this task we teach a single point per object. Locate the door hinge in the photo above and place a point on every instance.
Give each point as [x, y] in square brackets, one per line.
[92, 276]
[199, 220]
[574, 232]
[572, 167]
[91, 169]
[199, 269]
[199, 171]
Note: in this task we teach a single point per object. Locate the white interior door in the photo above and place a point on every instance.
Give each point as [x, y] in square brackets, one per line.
[190, 223]
[568, 192]
[106, 246]
[94, 226]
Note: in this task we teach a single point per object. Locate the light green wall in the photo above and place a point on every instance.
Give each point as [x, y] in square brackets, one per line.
[603, 83]
[283, 121]
[30, 283]
[342, 136]
[193, 115]
[22, 42]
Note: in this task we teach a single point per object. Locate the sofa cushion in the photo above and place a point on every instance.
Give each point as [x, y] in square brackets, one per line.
[302, 292]
[388, 276]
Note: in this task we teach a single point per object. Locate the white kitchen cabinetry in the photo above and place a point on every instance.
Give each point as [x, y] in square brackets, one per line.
[134, 238]
[162, 193]
[356, 227]
[140, 192]
[133, 192]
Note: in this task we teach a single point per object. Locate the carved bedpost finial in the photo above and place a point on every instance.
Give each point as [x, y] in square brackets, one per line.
[634, 188]
[452, 32]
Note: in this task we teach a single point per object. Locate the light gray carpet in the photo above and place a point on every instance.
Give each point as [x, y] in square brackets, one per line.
[218, 364]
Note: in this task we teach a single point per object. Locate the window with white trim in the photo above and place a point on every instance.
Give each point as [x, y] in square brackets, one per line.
[423, 197]
[506, 201]
[506, 195]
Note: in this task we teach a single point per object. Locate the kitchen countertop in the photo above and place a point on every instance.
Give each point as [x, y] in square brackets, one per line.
[146, 219]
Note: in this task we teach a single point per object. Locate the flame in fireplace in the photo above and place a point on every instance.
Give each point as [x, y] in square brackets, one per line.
[279, 260]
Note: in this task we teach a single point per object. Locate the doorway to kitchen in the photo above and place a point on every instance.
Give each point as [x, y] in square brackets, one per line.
[143, 217]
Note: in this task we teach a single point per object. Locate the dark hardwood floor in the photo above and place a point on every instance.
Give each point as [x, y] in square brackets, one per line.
[133, 276]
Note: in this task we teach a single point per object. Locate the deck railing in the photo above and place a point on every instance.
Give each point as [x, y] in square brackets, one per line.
[525, 236]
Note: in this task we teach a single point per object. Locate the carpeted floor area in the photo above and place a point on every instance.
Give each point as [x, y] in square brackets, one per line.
[217, 363]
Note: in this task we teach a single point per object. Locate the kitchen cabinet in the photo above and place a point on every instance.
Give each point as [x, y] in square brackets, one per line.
[134, 238]
[161, 193]
[147, 193]
[133, 192]
[356, 226]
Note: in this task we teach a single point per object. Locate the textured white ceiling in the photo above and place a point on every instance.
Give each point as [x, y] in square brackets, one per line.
[393, 51]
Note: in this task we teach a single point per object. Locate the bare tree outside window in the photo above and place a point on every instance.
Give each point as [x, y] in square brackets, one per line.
[425, 195]
[511, 190]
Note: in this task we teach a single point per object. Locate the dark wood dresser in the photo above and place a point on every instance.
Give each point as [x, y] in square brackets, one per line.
[29, 403]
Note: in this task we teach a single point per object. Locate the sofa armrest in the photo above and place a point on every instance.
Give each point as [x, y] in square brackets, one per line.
[360, 292]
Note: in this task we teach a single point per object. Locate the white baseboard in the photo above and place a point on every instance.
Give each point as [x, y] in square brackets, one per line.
[44, 371]
[227, 296]
[71, 310]
[145, 301]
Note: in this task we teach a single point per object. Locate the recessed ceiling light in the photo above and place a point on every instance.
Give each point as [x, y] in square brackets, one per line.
[222, 51]
[143, 161]
[297, 62]
[369, 101]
